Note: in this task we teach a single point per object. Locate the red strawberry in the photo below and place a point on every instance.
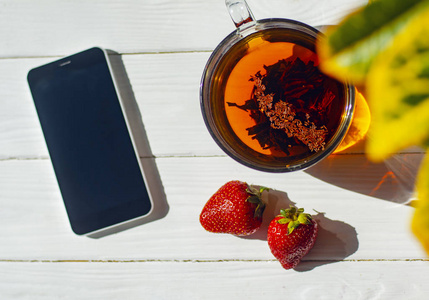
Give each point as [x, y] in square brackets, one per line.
[236, 208]
[291, 235]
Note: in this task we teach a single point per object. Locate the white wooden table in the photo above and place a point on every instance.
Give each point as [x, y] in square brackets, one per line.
[365, 249]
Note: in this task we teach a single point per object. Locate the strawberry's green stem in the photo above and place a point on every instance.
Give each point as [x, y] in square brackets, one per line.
[256, 198]
[294, 218]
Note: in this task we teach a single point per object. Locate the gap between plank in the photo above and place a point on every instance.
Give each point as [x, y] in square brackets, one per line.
[121, 53]
[200, 260]
[11, 158]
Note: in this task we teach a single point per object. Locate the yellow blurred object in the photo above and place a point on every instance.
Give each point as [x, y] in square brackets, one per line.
[345, 65]
[420, 223]
[360, 123]
[398, 92]
[349, 50]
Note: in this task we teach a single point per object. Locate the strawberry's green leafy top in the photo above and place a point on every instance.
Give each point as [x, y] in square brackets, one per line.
[294, 218]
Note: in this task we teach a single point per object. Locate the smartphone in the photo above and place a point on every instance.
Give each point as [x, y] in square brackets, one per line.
[93, 152]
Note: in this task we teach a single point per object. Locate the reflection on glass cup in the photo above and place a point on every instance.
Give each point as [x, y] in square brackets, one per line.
[264, 100]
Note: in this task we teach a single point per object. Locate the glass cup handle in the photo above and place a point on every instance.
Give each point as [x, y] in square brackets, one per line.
[240, 13]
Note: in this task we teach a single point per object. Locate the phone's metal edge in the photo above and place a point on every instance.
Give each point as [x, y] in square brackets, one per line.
[118, 227]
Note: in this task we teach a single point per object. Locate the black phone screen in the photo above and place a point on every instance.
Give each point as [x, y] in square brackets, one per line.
[92, 153]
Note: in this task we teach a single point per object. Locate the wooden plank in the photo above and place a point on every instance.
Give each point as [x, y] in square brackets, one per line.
[20, 132]
[315, 13]
[214, 280]
[62, 27]
[355, 224]
[164, 91]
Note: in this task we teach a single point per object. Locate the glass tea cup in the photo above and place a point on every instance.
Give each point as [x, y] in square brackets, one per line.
[265, 102]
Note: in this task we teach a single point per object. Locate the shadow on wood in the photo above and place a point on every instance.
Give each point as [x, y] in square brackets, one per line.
[336, 240]
[275, 200]
[391, 180]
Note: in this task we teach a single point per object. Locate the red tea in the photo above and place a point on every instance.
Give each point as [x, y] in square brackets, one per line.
[270, 98]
